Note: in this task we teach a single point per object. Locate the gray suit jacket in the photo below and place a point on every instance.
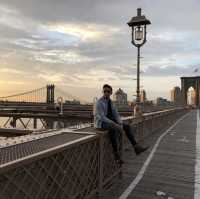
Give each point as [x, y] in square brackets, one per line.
[100, 113]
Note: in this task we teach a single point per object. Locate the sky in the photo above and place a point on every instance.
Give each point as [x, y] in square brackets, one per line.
[80, 45]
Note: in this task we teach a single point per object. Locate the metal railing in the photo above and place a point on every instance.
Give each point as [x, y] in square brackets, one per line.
[153, 122]
[73, 165]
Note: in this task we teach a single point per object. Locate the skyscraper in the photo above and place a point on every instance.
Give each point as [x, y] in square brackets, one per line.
[176, 95]
[120, 97]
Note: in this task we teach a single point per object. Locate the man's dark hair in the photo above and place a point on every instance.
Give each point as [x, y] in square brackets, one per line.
[107, 86]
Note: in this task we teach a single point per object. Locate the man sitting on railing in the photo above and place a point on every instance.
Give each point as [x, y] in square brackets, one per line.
[106, 117]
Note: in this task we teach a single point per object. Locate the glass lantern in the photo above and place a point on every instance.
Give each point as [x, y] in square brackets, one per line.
[139, 34]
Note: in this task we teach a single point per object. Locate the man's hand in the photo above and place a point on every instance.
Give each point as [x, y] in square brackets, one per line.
[117, 126]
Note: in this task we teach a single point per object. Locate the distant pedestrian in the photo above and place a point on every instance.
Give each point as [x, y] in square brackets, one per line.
[137, 111]
[106, 117]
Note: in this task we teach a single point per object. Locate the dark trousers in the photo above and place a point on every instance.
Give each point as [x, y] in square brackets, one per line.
[115, 130]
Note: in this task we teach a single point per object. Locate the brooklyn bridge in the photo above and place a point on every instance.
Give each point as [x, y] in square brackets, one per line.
[49, 149]
[54, 145]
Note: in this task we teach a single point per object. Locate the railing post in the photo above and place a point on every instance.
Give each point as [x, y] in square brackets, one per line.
[151, 124]
[35, 123]
[13, 122]
[48, 94]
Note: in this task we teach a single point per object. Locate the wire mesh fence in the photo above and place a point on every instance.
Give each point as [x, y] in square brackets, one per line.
[74, 165]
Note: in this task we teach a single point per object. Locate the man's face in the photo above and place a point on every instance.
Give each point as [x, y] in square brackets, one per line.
[107, 92]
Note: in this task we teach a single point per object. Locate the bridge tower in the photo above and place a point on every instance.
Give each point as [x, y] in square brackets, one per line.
[186, 83]
[50, 93]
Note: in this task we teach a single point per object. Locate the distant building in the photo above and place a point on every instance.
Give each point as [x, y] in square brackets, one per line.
[162, 102]
[143, 96]
[176, 95]
[120, 97]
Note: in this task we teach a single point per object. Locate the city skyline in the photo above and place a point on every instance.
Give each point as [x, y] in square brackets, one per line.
[82, 47]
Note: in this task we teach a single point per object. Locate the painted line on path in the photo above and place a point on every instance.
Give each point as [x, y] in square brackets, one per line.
[142, 171]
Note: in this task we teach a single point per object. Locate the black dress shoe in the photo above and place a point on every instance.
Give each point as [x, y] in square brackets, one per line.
[139, 149]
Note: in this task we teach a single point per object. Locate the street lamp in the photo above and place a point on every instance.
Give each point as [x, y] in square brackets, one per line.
[138, 25]
[59, 105]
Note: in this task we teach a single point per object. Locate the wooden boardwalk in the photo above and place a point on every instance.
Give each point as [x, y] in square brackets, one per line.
[170, 174]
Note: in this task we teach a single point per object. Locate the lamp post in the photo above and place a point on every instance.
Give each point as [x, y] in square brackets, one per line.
[60, 105]
[138, 25]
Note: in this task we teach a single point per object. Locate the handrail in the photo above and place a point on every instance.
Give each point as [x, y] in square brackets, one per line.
[152, 113]
[80, 167]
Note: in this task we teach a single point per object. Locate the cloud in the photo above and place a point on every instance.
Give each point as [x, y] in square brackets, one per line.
[170, 71]
[60, 56]
[51, 77]
[86, 44]
[85, 31]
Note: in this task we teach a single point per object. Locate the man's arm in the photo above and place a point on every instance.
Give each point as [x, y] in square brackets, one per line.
[116, 115]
